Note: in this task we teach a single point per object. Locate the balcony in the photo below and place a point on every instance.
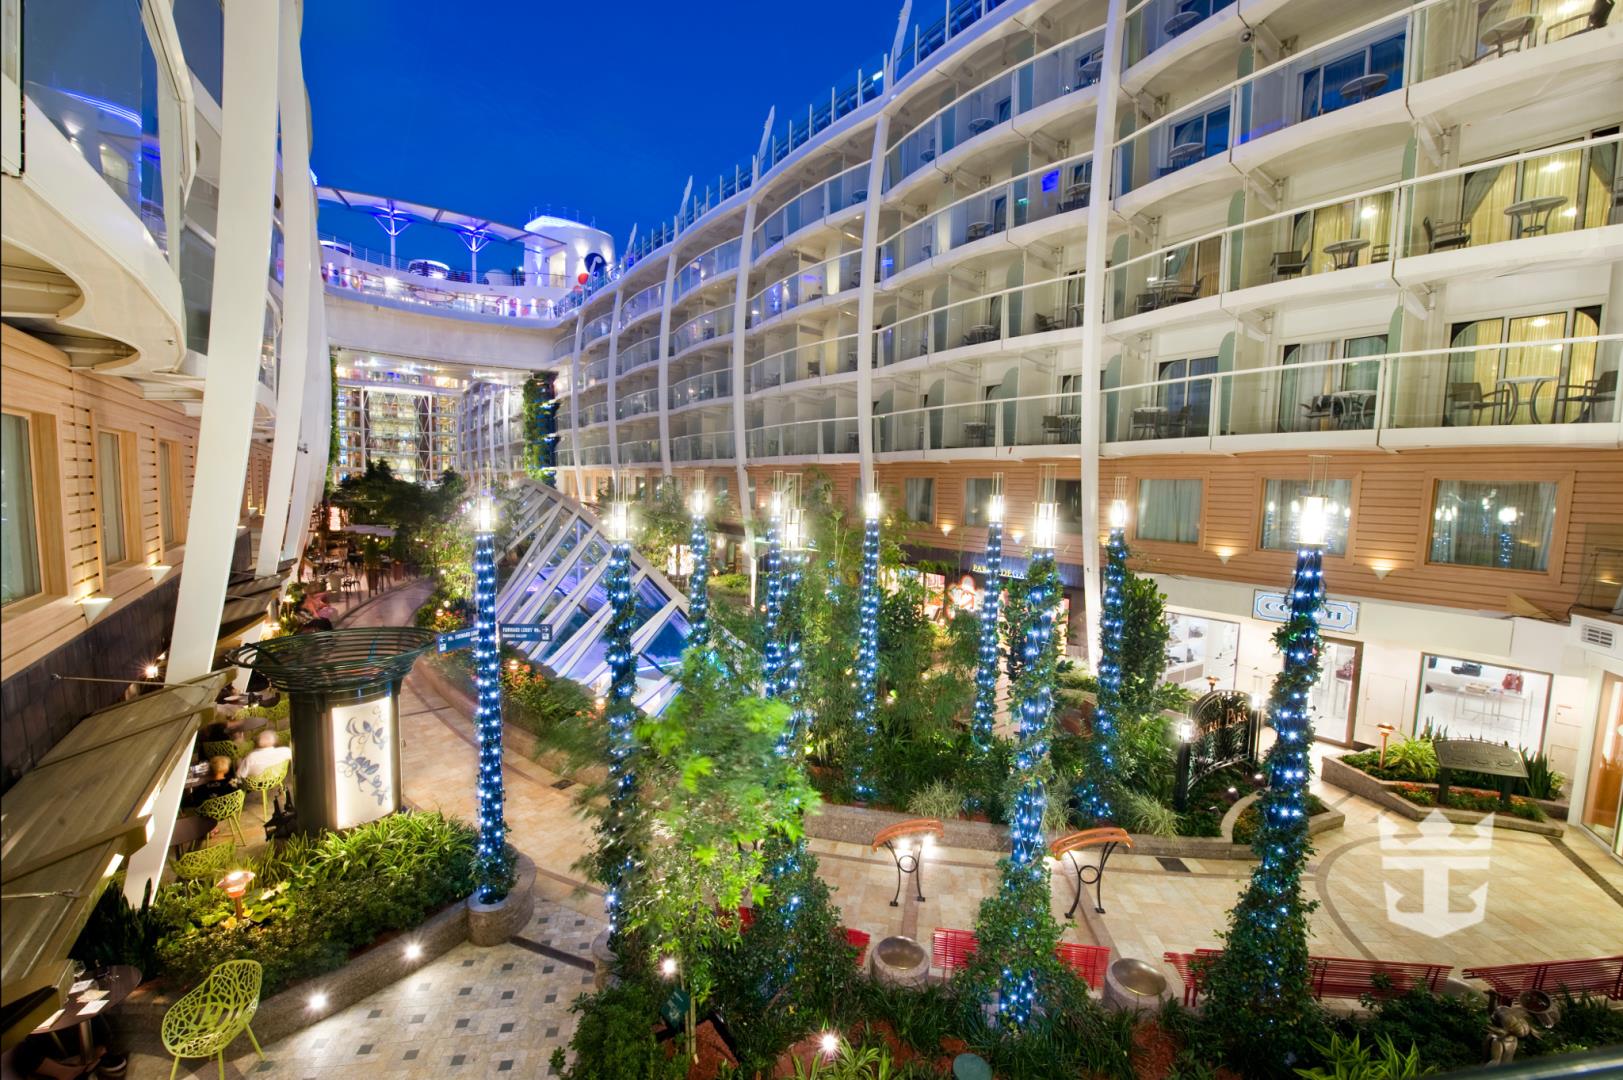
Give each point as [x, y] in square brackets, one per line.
[808, 284]
[594, 373]
[711, 386]
[706, 326]
[1064, 69]
[597, 413]
[1558, 391]
[434, 294]
[1153, 24]
[648, 300]
[842, 101]
[634, 356]
[1354, 69]
[984, 321]
[847, 191]
[1045, 421]
[643, 401]
[803, 438]
[705, 446]
[1035, 196]
[835, 356]
[719, 260]
[639, 452]
[926, 37]
[1409, 232]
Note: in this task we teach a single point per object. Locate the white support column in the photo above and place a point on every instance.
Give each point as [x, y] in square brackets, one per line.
[741, 307]
[664, 355]
[1093, 314]
[576, 386]
[253, 34]
[302, 253]
[612, 373]
[867, 281]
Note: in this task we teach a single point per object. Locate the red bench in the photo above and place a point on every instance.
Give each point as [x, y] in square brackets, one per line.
[1602, 975]
[1331, 976]
[952, 949]
[858, 940]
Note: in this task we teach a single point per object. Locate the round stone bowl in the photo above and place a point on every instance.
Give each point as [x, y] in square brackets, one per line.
[900, 961]
[1135, 984]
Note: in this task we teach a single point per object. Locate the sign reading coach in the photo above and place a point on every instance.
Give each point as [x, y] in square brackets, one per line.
[1338, 616]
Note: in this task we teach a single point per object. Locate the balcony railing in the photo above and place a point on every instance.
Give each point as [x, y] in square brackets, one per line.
[1044, 420]
[1154, 23]
[1028, 309]
[714, 194]
[848, 189]
[710, 386]
[798, 438]
[1532, 385]
[843, 99]
[1070, 66]
[930, 32]
[636, 404]
[647, 244]
[837, 275]
[596, 454]
[1042, 193]
[597, 413]
[639, 452]
[434, 270]
[647, 300]
[803, 362]
[1432, 38]
[1505, 200]
[700, 269]
[703, 327]
[423, 291]
[564, 347]
[596, 329]
[705, 446]
[636, 355]
[594, 373]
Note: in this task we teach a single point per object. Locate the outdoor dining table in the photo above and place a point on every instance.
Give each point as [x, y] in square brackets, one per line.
[190, 829]
[1505, 31]
[1180, 22]
[1532, 216]
[1091, 68]
[1352, 407]
[979, 230]
[1345, 252]
[1185, 154]
[979, 124]
[88, 998]
[1364, 86]
[977, 431]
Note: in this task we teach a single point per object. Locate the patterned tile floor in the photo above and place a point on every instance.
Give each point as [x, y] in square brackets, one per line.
[475, 1010]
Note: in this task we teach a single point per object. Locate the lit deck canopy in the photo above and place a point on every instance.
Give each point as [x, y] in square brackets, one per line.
[465, 225]
[85, 806]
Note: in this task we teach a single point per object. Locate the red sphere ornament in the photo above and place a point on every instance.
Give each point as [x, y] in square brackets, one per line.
[583, 277]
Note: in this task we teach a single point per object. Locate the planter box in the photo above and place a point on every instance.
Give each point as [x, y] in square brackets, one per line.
[493, 924]
[1383, 793]
[139, 1019]
[859, 824]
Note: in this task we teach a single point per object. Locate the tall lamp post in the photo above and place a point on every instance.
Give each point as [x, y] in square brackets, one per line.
[487, 720]
[867, 645]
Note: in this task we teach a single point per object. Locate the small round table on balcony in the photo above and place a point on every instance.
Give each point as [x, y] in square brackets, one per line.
[1532, 216]
[1364, 86]
[1344, 253]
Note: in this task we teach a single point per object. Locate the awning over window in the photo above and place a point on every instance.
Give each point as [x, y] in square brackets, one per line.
[68, 824]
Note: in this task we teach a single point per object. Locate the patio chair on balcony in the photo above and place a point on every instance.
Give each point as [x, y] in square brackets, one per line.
[1287, 264]
[1322, 407]
[1467, 397]
[1146, 422]
[1589, 393]
[1044, 323]
[1593, 19]
[1444, 235]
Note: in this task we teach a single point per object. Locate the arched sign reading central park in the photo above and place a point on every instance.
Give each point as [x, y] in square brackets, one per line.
[343, 688]
[1225, 728]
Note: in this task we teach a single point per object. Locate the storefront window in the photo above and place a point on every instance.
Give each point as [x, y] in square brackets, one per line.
[978, 492]
[1068, 495]
[920, 498]
[20, 546]
[1469, 699]
[1282, 512]
[1201, 649]
[1493, 524]
[1169, 510]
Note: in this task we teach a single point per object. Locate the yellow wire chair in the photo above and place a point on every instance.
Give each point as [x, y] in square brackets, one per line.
[204, 864]
[273, 777]
[228, 810]
[213, 1013]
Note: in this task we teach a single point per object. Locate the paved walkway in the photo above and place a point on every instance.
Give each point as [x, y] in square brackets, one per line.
[1545, 898]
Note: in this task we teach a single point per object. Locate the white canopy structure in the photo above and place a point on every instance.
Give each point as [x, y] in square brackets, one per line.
[559, 582]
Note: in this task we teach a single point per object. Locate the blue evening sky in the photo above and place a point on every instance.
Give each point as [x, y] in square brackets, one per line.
[604, 107]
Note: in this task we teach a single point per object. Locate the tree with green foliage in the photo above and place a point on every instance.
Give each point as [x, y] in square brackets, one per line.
[712, 790]
[541, 427]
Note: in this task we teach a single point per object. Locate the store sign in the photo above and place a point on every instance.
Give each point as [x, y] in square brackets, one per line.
[365, 786]
[1339, 616]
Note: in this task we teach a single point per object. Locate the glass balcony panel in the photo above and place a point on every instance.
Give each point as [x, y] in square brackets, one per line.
[697, 388]
[1569, 381]
[1194, 134]
[1351, 69]
[1166, 278]
[1156, 22]
[1336, 395]
[1317, 240]
[1051, 419]
[701, 328]
[1046, 306]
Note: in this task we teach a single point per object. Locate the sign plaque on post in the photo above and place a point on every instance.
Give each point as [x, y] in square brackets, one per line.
[1474, 755]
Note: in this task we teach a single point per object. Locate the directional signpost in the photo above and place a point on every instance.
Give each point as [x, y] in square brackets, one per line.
[517, 633]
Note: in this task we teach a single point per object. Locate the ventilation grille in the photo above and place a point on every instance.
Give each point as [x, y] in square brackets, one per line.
[1597, 636]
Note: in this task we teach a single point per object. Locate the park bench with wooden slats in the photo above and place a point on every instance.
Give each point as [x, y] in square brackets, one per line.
[1106, 840]
[1331, 976]
[858, 940]
[951, 950]
[894, 839]
[1602, 975]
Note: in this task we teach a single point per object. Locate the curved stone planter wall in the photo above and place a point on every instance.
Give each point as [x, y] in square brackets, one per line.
[492, 924]
[858, 824]
[1380, 792]
[140, 1018]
